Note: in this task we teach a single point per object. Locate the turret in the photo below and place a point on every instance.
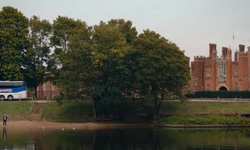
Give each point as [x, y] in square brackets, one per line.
[236, 56]
[241, 48]
[212, 49]
[224, 51]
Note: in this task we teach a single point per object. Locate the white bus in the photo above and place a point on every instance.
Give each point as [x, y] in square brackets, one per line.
[13, 90]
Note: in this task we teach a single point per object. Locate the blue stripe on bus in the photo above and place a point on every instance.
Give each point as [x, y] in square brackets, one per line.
[14, 90]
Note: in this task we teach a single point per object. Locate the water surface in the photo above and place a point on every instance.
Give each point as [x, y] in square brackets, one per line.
[126, 139]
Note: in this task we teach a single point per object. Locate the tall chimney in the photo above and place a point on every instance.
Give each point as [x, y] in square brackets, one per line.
[241, 48]
[212, 49]
[224, 51]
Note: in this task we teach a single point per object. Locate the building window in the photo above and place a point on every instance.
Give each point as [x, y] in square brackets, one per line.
[208, 86]
[236, 85]
[208, 74]
[236, 73]
[221, 70]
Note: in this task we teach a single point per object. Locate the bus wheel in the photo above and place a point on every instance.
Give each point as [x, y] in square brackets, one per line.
[10, 97]
[1, 97]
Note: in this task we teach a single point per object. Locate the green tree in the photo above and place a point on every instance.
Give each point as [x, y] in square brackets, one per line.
[62, 30]
[161, 67]
[38, 55]
[129, 60]
[92, 63]
[76, 64]
[108, 72]
[13, 43]
[125, 27]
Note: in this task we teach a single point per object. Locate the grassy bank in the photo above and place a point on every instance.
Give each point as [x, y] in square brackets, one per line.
[16, 110]
[206, 113]
[181, 113]
[206, 120]
[68, 111]
[212, 108]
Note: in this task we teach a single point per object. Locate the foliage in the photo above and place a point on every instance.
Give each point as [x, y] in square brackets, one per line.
[63, 29]
[69, 111]
[207, 120]
[161, 68]
[109, 73]
[200, 107]
[82, 111]
[13, 43]
[125, 27]
[219, 94]
[37, 56]
[109, 62]
[75, 62]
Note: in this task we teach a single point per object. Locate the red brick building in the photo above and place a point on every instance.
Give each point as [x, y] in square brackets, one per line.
[215, 73]
[47, 90]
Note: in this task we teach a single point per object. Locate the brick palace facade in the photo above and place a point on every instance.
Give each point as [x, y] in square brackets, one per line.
[215, 73]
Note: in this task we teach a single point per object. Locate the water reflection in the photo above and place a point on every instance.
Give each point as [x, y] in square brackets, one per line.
[127, 139]
[4, 133]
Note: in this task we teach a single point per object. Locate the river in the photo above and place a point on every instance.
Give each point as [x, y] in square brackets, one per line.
[126, 139]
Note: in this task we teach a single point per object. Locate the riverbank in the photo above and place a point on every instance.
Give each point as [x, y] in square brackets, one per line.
[47, 125]
[174, 114]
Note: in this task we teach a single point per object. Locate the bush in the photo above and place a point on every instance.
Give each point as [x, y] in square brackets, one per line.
[220, 94]
[207, 120]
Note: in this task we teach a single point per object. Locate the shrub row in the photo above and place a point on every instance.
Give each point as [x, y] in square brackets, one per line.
[207, 120]
[219, 94]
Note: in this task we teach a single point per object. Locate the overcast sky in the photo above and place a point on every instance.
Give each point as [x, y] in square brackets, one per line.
[191, 24]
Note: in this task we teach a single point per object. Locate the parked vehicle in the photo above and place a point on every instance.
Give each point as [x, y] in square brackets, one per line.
[13, 90]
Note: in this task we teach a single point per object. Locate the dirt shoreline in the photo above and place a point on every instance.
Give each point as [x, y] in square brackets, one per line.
[26, 124]
[47, 125]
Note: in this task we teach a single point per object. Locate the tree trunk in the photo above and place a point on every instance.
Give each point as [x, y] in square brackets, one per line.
[157, 110]
[94, 107]
[35, 89]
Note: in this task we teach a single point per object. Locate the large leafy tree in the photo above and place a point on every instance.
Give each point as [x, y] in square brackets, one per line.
[13, 43]
[125, 27]
[63, 28]
[161, 67]
[38, 55]
[93, 63]
[130, 56]
[76, 63]
[108, 72]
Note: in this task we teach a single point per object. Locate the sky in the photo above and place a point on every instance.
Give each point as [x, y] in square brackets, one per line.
[191, 24]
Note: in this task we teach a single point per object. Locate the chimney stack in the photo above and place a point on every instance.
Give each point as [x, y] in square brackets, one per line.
[212, 49]
[241, 48]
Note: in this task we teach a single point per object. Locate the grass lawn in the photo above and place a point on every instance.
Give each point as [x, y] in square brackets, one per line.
[16, 110]
[182, 112]
[205, 107]
[68, 111]
[225, 113]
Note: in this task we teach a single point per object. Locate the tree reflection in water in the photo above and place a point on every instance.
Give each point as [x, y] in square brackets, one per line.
[129, 138]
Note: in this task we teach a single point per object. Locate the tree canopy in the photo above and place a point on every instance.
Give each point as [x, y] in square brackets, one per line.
[13, 43]
[110, 61]
[37, 55]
